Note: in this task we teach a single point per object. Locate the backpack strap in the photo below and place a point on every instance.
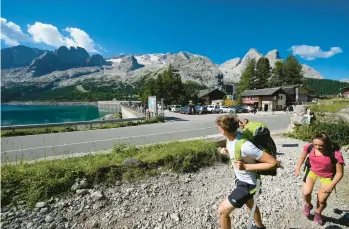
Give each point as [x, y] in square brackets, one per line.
[306, 168]
[238, 145]
[310, 148]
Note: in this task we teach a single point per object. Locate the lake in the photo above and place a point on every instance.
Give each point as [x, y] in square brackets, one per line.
[39, 114]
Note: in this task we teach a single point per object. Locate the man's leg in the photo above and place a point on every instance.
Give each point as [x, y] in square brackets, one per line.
[224, 209]
[257, 213]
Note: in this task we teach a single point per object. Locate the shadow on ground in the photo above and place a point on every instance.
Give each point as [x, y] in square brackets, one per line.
[174, 119]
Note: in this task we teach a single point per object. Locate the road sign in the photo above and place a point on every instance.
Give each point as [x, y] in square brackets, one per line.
[152, 104]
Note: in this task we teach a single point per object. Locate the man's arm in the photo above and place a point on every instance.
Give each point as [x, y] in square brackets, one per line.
[267, 162]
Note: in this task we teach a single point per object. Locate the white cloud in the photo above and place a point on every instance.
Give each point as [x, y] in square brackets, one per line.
[12, 33]
[46, 33]
[80, 38]
[49, 34]
[312, 52]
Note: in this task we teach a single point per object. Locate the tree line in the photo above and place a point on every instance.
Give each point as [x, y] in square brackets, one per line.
[168, 85]
[325, 86]
[259, 74]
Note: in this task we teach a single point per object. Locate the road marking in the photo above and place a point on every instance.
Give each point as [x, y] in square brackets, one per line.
[109, 139]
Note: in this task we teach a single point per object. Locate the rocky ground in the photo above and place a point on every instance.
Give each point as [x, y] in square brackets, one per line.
[182, 201]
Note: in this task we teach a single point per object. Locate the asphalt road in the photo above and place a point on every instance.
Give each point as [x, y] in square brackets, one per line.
[33, 147]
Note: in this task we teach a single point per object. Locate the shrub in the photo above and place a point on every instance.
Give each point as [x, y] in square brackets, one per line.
[337, 131]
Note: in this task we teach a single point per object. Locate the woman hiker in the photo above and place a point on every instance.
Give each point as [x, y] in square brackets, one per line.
[325, 163]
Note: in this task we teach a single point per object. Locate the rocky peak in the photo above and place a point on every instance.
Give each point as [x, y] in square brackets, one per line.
[129, 63]
[121, 55]
[96, 60]
[18, 56]
[310, 72]
[273, 53]
[73, 57]
[252, 53]
[345, 80]
[273, 56]
[44, 64]
[185, 55]
[62, 59]
[230, 64]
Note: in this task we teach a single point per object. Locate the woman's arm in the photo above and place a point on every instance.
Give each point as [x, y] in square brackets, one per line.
[336, 178]
[300, 162]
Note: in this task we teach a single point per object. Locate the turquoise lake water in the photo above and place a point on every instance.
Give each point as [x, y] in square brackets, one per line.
[39, 114]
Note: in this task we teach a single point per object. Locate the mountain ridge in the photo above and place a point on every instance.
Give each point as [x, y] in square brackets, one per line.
[130, 68]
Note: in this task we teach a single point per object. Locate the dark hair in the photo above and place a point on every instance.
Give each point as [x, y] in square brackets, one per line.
[328, 144]
[229, 123]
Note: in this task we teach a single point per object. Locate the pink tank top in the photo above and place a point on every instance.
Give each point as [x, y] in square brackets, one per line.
[321, 165]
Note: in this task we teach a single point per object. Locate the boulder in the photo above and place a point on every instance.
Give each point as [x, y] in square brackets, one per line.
[132, 162]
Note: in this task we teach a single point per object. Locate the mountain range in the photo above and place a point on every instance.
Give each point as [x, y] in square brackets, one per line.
[69, 66]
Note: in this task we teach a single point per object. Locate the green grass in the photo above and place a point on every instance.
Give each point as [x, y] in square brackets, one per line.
[332, 106]
[22, 132]
[42, 180]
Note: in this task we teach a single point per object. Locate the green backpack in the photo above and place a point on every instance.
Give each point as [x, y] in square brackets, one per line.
[259, 134]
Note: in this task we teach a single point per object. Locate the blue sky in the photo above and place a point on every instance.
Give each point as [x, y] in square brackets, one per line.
[219, 29]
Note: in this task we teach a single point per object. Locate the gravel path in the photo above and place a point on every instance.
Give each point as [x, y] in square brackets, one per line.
[184, 201]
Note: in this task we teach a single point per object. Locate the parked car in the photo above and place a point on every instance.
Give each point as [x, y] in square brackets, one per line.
[175, 108]
[249, 108]
[201, 109]
[213, 109]
[242, 110]
[225, 109]
[187, 110]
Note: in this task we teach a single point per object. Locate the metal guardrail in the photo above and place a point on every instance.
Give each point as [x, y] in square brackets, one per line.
[47, 125]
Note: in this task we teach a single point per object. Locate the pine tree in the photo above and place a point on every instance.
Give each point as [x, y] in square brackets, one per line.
[149, 89]
[262, 73]
[293, 71]
[247, 78]
[160, 87]
[173, 86]
[278, 75]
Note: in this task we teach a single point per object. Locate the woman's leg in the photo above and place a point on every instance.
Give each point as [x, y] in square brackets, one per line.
[307, 190]
[322, 197]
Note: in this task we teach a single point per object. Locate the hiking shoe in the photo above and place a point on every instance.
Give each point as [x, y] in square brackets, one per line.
[306, 210]
[318, 218]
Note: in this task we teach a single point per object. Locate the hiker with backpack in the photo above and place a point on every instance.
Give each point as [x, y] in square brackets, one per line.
[248, 159]
[323, 161]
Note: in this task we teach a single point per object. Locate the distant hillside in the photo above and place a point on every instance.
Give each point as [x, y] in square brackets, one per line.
[325, 86]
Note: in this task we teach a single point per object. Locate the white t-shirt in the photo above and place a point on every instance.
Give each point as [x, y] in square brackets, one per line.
[250, 154]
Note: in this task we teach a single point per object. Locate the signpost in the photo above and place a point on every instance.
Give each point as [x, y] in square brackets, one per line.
[152, 105]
